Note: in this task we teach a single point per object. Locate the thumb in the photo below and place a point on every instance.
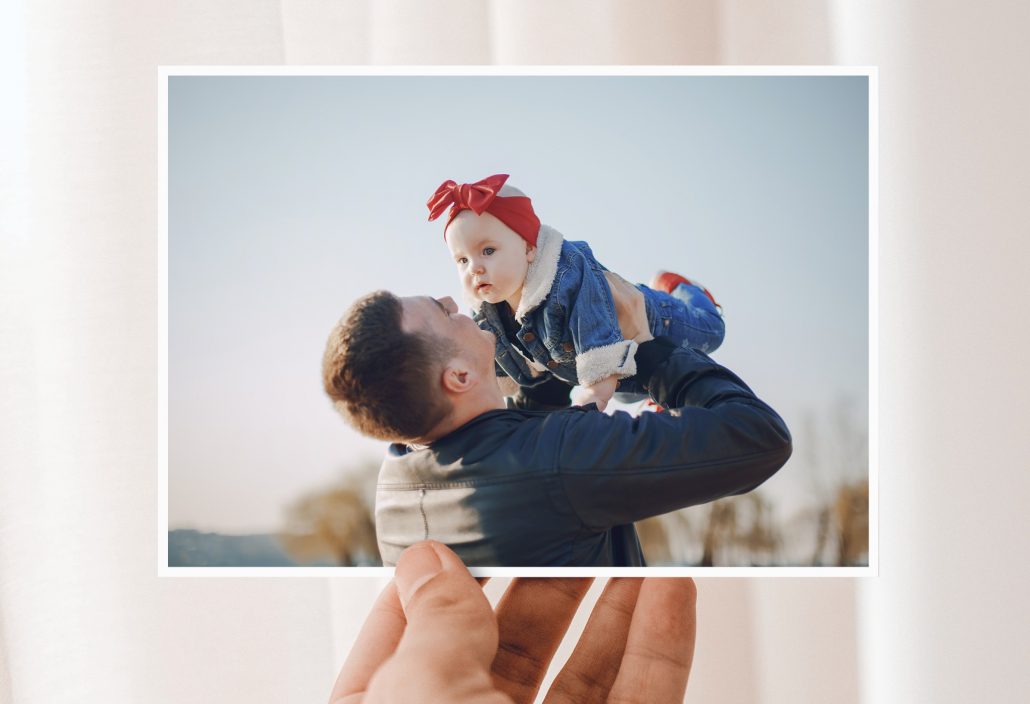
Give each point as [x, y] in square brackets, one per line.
[450, 638]
[445, 607]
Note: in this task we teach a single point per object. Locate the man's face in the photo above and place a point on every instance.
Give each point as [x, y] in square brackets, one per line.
[440, 317]
[492, 260]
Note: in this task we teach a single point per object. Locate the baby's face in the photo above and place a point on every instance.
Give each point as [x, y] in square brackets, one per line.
[492, 260]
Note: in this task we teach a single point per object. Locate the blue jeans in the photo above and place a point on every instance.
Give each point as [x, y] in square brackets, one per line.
[686, 315]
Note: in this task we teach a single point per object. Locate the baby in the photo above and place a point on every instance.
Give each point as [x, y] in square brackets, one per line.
[549, 301]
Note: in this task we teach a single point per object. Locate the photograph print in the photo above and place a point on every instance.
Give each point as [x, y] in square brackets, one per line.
[612, 321]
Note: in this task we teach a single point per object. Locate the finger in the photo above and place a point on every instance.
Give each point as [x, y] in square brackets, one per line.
[590, 672]
[660, 643]
[444, 605]
[377, 640]
[451, 634]
[532, 618]
[375, 643]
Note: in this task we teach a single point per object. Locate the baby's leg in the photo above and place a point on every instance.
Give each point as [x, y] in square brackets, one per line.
[694, 319]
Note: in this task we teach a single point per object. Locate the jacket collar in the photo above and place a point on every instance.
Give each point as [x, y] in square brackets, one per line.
[542, 271]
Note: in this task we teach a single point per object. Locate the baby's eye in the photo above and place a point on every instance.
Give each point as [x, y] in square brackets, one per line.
[462, 260]
[488, 251]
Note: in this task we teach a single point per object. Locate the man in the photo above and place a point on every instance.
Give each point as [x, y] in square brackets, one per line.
[517, 486]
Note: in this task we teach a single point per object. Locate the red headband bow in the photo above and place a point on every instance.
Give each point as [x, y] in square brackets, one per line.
[481, 197]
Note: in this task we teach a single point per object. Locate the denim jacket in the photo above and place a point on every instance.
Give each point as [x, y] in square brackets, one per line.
[567, 319]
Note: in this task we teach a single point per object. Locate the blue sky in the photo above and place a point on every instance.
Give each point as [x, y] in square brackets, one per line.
[291, 196]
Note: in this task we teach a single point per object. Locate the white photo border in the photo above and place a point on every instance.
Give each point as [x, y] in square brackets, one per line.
[870, 72]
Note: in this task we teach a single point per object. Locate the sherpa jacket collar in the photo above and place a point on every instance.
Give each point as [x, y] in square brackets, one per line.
[541, 273]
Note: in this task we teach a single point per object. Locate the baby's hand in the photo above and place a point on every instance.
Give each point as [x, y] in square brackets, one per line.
[599, 393]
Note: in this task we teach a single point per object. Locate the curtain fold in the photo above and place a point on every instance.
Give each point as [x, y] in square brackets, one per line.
[441, 32]
[324, 32]
[84, 616]
[946, 619]
[17, 421]
[806, 632]
[604, 32]
[778, 32]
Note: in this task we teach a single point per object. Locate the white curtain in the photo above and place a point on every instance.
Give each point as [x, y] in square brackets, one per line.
[946, 621]
[83, 616]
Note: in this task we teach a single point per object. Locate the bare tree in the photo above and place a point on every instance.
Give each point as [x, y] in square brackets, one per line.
[742, 531]
[822, 534]
[672, 538]
[654, 540]
[851, 518]
[720, 530]
[335, 522]
[739, 530]
[836, 449]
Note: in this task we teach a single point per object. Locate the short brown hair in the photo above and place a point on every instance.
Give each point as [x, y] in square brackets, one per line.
[382, 379]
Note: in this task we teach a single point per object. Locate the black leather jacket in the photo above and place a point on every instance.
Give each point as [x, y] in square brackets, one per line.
[517, 488]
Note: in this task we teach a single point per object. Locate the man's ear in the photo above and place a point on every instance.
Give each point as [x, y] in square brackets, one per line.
[458, 377]
[530, 252]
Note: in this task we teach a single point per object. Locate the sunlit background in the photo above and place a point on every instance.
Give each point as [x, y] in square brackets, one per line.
[289, 197]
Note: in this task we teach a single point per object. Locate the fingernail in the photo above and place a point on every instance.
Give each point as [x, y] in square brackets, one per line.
[416, 566]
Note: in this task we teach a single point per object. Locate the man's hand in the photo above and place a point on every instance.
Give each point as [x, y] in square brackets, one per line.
[600, 392]
[432, 637]
[629, 308]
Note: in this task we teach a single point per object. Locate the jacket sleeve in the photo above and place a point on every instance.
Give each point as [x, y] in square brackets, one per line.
[552, 395]
[601, 350]
[718, 440]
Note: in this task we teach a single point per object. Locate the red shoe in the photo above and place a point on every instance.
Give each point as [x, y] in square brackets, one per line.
[668, 281]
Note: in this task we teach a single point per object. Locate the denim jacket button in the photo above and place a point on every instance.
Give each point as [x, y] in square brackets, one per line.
[529, 337]
[552, 364]
[568, 346]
